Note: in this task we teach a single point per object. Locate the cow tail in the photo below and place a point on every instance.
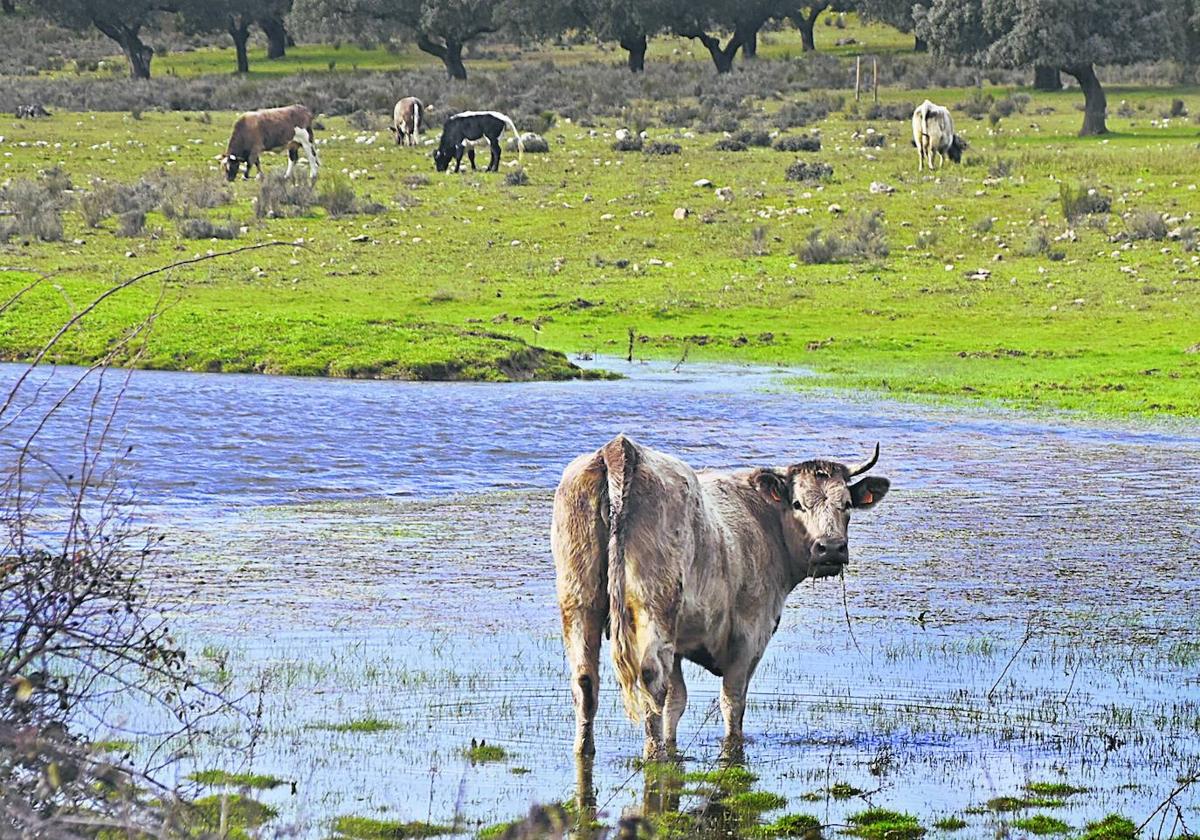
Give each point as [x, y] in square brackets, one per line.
[620, 460]
[513, 128]
[416, 132]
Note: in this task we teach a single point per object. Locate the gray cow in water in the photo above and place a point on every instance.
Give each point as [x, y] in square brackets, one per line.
[688, 565]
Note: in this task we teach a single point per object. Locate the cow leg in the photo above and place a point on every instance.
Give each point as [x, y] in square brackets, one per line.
[458, 153]
[676, 703]
[581, 635]
[258, 166]
[293, 156]
[471, 156]
[657, 662]
[734, 688]
[494, 163]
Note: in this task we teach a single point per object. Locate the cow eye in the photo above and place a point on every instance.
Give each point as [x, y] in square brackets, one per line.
[797, 506]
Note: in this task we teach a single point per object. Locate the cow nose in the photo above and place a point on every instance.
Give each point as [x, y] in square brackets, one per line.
[831, 550]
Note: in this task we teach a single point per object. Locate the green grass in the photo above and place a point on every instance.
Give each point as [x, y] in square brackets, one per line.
[844, 790]
[249, 780]
[439, 290]
[1004, 804]
[1054, 789]
[882, 824]
[791, 825]
[485, 753]
[243, 815]
[754, 801]
[365, 828]
[1112, 827]
[1042, 824]
[950, 823]
[363, 725]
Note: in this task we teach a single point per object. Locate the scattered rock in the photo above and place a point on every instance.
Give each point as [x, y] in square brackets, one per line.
[703, 183]
[725, 193]
[878, 187]
[681, 213]
[978, 274]
[362, 237]
[834, 209]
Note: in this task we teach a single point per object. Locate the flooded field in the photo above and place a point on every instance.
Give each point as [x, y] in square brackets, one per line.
[1022, 609]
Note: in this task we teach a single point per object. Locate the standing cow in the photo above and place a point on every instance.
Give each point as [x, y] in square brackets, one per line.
[933, 133]
[460, 130]
[686, 565]
[256, 132]
[407, 121]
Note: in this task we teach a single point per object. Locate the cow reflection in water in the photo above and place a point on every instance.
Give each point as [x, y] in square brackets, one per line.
[689, 565]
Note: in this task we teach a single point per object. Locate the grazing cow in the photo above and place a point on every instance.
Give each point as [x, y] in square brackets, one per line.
[256, 132]
[933, 132]
[460, 129]
[407, 119]
[31, 112]
[686, 565]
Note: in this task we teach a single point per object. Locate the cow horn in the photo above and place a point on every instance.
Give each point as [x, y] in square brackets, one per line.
[865, 465]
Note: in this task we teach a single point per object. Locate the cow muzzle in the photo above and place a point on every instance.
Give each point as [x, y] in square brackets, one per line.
[829, 555]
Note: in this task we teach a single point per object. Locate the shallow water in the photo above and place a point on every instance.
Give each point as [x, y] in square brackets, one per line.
[380, 549]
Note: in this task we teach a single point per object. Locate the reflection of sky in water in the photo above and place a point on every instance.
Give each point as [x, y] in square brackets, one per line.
[353, 538]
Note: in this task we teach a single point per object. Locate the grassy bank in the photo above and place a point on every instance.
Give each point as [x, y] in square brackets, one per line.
[1078, 314]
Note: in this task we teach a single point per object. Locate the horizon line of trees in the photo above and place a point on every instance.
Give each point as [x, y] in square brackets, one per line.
[1052, 37]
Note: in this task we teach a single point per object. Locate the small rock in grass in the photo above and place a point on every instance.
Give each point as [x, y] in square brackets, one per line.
[703, 183]
[879, 187]
[681, 213]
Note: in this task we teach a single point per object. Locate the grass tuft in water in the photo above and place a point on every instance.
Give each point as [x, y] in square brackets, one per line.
[1005, 804]
[365, 828]
[363, 725]
[843, 790]
[483, 752]
[882, 824]
[1042, 824]
[951, 823]
[754, 801]
[1112, 827]
[1054, 789]
[725, 778]
[792, 825]
[242, 814]
[249, 780]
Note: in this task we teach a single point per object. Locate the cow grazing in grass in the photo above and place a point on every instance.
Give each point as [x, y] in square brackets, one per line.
[407, 121]
[256, 132]
[685, 565]
[933, 133]
[460, 130]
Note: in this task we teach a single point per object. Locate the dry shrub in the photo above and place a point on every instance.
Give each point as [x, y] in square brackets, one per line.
[632, 143]
[729, 144]
[863, 237]
[798, 143]
[809, 172]
[280, 197]
[1077, 202]
[198, 227]
[516, 178]
[35, 208]
[662, 147]
[1146, 224]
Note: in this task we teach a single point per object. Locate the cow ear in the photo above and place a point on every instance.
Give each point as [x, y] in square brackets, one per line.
[772, 484]
[868, 492]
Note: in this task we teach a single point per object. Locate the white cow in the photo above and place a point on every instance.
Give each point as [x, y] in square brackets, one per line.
[933, 133]
[407, 121]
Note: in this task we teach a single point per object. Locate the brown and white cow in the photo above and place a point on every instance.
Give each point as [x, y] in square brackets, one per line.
[256, 132]
[408, 118]
[933, 133]
[688, 565]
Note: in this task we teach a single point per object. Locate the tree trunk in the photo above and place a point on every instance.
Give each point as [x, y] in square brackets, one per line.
[1046, 78]
[450, 54]
[920, 44]
[136, 53]
[278, 39]
[240, 32]
[722, 56]
[750, 46]
[635, 45]
[806, 32]
[1095, 103]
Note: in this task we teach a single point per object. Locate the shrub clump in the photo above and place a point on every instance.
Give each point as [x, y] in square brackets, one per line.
[516, 178]
[814, 109]
[280, 197]
[662, 147]
[863, 237]
[1077, 202]
[131, 223]
[35, 207]
[809, 173]
[754, 137]
[890, 111]
[198, 227]
[729, 144]
[535, 144]
[1146, 224]
[633, 143]
[798, 143]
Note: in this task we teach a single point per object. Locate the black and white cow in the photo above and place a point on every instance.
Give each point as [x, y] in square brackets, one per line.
[460, 130]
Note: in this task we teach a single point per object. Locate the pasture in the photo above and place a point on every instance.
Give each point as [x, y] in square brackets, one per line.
[986, 291]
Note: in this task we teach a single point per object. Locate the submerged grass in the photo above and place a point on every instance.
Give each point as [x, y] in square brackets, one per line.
[366, 828]
[1042, 824]
[250, 780]
[882, 824]
[365, 725]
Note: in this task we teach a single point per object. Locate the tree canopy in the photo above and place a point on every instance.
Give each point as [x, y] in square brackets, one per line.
[1071, 35]
[121, 20]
